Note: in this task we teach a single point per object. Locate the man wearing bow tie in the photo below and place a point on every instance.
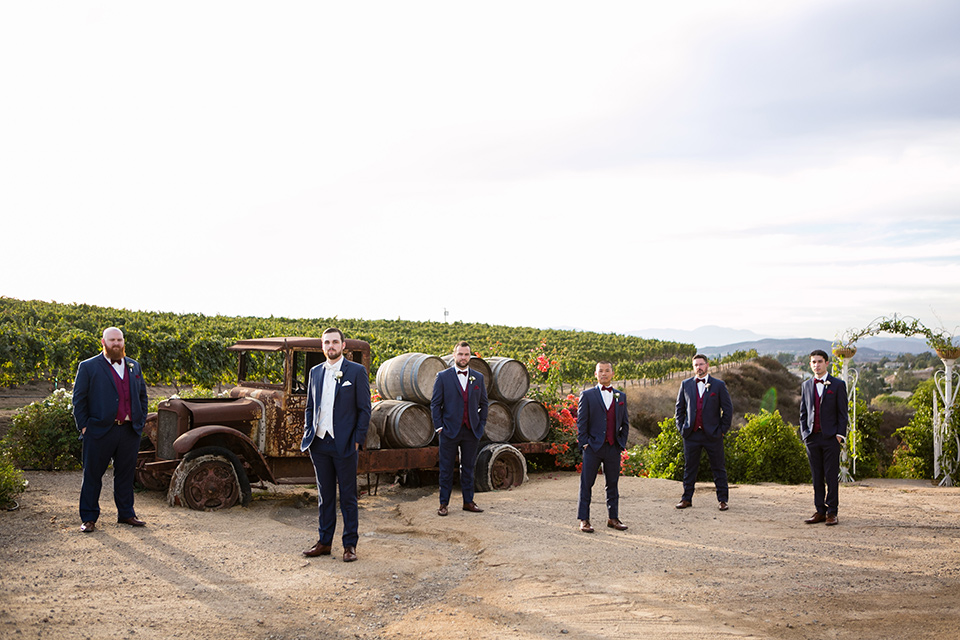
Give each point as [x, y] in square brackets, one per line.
[459, 410]
[602, 426]
[704, 413]
[823, 427]
[110, 409]
[335, 425]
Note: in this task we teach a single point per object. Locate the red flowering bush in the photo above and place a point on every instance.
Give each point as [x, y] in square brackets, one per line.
[563, 432]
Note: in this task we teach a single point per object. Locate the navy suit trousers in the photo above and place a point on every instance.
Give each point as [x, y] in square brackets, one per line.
[693, 445]
[467, 443]
[823, 452]
[333, 469]
[609, 455]
[121, 443]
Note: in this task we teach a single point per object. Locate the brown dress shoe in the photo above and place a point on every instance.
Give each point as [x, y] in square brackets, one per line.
[472, 506]
[318, 549]
[442, 511]
[88, 527]
[132, 521]
[815, 518]
[831, 520]
[349, 554]
[684, 504]
[723, 506]
[613, 523]
[585, 526]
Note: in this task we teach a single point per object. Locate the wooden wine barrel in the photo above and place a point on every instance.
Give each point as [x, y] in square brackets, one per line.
[499, 423]
[402, 424]
[530, 421]
[499, 466]
[409, 376]
[477, 364]
[510, 379]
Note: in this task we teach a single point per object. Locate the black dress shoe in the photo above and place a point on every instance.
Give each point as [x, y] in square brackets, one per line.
[349, 554]
[815, 518]
[472, 506]
[88, 527]
[318, 549]
[132, 521]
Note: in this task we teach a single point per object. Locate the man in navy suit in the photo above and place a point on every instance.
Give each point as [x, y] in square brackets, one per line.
[602, 426]
[334, 426]
[459, 409]
[110, 409]
[703, 415]
[823, 426]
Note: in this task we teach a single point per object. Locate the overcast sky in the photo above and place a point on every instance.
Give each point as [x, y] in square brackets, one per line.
[792, 168]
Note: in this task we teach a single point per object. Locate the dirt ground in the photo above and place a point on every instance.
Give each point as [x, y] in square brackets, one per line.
[520, 570]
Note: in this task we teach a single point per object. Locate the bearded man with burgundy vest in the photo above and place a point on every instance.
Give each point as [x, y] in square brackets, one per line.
[110, 409]
[602, 426]
[704, 413]
[459, 407]
[824, 416]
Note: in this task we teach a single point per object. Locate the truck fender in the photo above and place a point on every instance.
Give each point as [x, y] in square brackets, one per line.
[228, 438]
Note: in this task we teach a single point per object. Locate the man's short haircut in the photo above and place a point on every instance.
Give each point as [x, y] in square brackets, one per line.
[462, 343]
[700, 356]
[334, 330]
[821, 353]
[605, 362]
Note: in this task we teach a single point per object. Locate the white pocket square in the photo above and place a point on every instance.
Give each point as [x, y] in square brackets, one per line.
[347, 383]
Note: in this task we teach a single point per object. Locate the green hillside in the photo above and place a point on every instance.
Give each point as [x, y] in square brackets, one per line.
[46, 341]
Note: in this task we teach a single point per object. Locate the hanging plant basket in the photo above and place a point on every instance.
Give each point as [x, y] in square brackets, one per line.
[948, 353]
[844, 352]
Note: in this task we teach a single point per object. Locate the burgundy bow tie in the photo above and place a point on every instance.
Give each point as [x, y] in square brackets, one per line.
[703, 380]
[463, 373]
[817, 381]
[606, 388]
[116, 361]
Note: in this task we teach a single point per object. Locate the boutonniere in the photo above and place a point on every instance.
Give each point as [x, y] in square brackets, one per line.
[338, 375]
[826, 382]
[706, 386]
[471, 378]
[130, 366]
[616, 395]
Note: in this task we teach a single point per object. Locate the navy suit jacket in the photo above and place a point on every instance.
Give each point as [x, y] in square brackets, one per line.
[834, 412]
[717, 408]
[351, 406]
[446, 403]
[96, 399]
[592, 419]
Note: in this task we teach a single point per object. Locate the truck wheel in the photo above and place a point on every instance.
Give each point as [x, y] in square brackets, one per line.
[499, 466]
[209, 479]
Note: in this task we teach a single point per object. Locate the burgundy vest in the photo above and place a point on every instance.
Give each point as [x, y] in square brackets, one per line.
[698, 421]
[464, 391]
[612, 420]
[125, 408]
[816, 407]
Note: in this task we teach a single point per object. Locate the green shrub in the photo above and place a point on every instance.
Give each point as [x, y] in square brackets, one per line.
[663, 457]
[872, 457]
[43, 435]
[11, 483]
[766, 449]
[914, 456]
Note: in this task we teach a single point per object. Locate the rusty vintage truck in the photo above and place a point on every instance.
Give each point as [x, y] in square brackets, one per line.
[206, 452]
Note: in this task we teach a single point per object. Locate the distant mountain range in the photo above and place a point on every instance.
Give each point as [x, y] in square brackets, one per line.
[730, 340]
